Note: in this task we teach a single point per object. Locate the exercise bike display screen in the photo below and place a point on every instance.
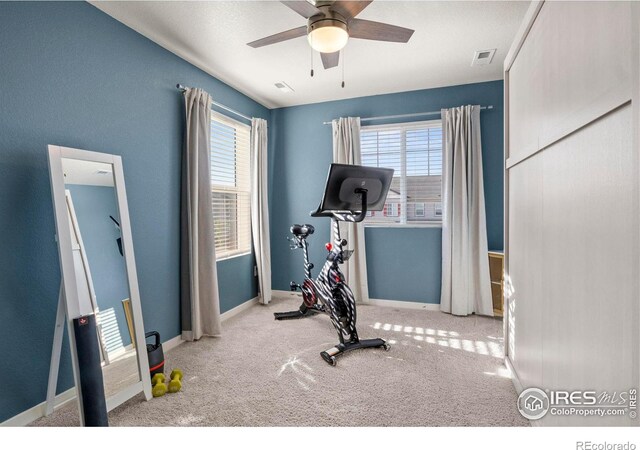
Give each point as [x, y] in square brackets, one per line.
[343, 181]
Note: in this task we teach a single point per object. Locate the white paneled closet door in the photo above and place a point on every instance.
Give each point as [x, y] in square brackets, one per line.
[572, 225]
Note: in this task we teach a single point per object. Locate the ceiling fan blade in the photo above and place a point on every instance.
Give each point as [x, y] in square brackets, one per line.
[279, 37]
[349, 9]
[377, 31]
[305, 9]
[330, 60]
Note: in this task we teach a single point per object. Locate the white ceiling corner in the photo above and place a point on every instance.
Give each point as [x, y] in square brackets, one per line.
[213, 36]
[91, 173]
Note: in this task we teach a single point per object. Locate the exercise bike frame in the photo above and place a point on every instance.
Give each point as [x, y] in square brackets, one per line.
[329, 292]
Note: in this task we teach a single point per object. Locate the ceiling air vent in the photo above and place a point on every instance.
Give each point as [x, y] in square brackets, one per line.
[284, 87]
[483, 57]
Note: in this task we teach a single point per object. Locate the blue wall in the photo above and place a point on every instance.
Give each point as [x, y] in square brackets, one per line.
[93, 205]
[73, 76]
[403, 263]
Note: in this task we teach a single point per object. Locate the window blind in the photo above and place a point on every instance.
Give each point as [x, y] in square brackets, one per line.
[230, 186]
[414, 151]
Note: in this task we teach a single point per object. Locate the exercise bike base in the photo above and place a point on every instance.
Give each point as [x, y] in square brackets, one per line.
[298, 314]
[330, 355]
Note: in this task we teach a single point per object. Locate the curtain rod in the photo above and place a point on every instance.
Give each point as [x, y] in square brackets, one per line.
[219, 105]
[402, 116]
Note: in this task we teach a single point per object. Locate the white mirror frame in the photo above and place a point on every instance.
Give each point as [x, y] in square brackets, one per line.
[69, 288]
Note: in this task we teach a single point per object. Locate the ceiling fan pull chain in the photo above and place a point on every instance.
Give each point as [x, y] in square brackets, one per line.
[311, 52]
[343, 61]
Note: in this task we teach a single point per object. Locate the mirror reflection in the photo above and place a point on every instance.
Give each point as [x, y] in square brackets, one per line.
[100, 267]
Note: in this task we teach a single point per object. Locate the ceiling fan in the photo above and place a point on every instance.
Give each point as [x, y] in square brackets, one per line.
[330, 24]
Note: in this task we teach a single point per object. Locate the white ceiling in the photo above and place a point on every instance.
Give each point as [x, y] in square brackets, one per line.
[213, 37]
[90, 173]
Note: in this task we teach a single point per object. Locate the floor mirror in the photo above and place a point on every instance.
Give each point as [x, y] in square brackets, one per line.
[98, 272]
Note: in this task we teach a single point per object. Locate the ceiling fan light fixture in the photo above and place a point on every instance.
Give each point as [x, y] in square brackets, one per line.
[328, 36]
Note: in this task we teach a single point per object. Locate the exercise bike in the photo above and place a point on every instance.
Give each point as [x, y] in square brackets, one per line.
[350, 192]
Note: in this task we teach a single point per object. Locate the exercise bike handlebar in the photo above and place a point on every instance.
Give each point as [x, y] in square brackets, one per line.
[347, 216]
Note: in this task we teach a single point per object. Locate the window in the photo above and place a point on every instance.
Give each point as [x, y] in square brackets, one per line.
[230, 186]
[414, 151]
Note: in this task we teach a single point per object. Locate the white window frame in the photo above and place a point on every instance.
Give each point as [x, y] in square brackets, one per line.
[421, 207]
[437, 123]
[393, 207]
[247, 249]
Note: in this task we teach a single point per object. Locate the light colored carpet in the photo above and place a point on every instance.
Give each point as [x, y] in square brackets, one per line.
[441, 371]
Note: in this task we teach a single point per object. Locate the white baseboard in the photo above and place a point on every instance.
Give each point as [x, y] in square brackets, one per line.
[404, 304]
[372, 301]
[172, 343]
[238, 309]
[31, 414]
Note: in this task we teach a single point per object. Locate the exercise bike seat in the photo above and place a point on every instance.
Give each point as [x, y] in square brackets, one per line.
[302, 231]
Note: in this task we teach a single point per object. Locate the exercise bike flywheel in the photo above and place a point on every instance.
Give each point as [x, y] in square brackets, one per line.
[309, 293]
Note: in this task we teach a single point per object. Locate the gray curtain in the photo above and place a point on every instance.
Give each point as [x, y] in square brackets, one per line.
[466, 286]
[346, 150]
[200, 305]
[260, 207]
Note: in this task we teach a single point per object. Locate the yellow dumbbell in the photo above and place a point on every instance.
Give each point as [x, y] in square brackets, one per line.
[159, 386]
[176, 381]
